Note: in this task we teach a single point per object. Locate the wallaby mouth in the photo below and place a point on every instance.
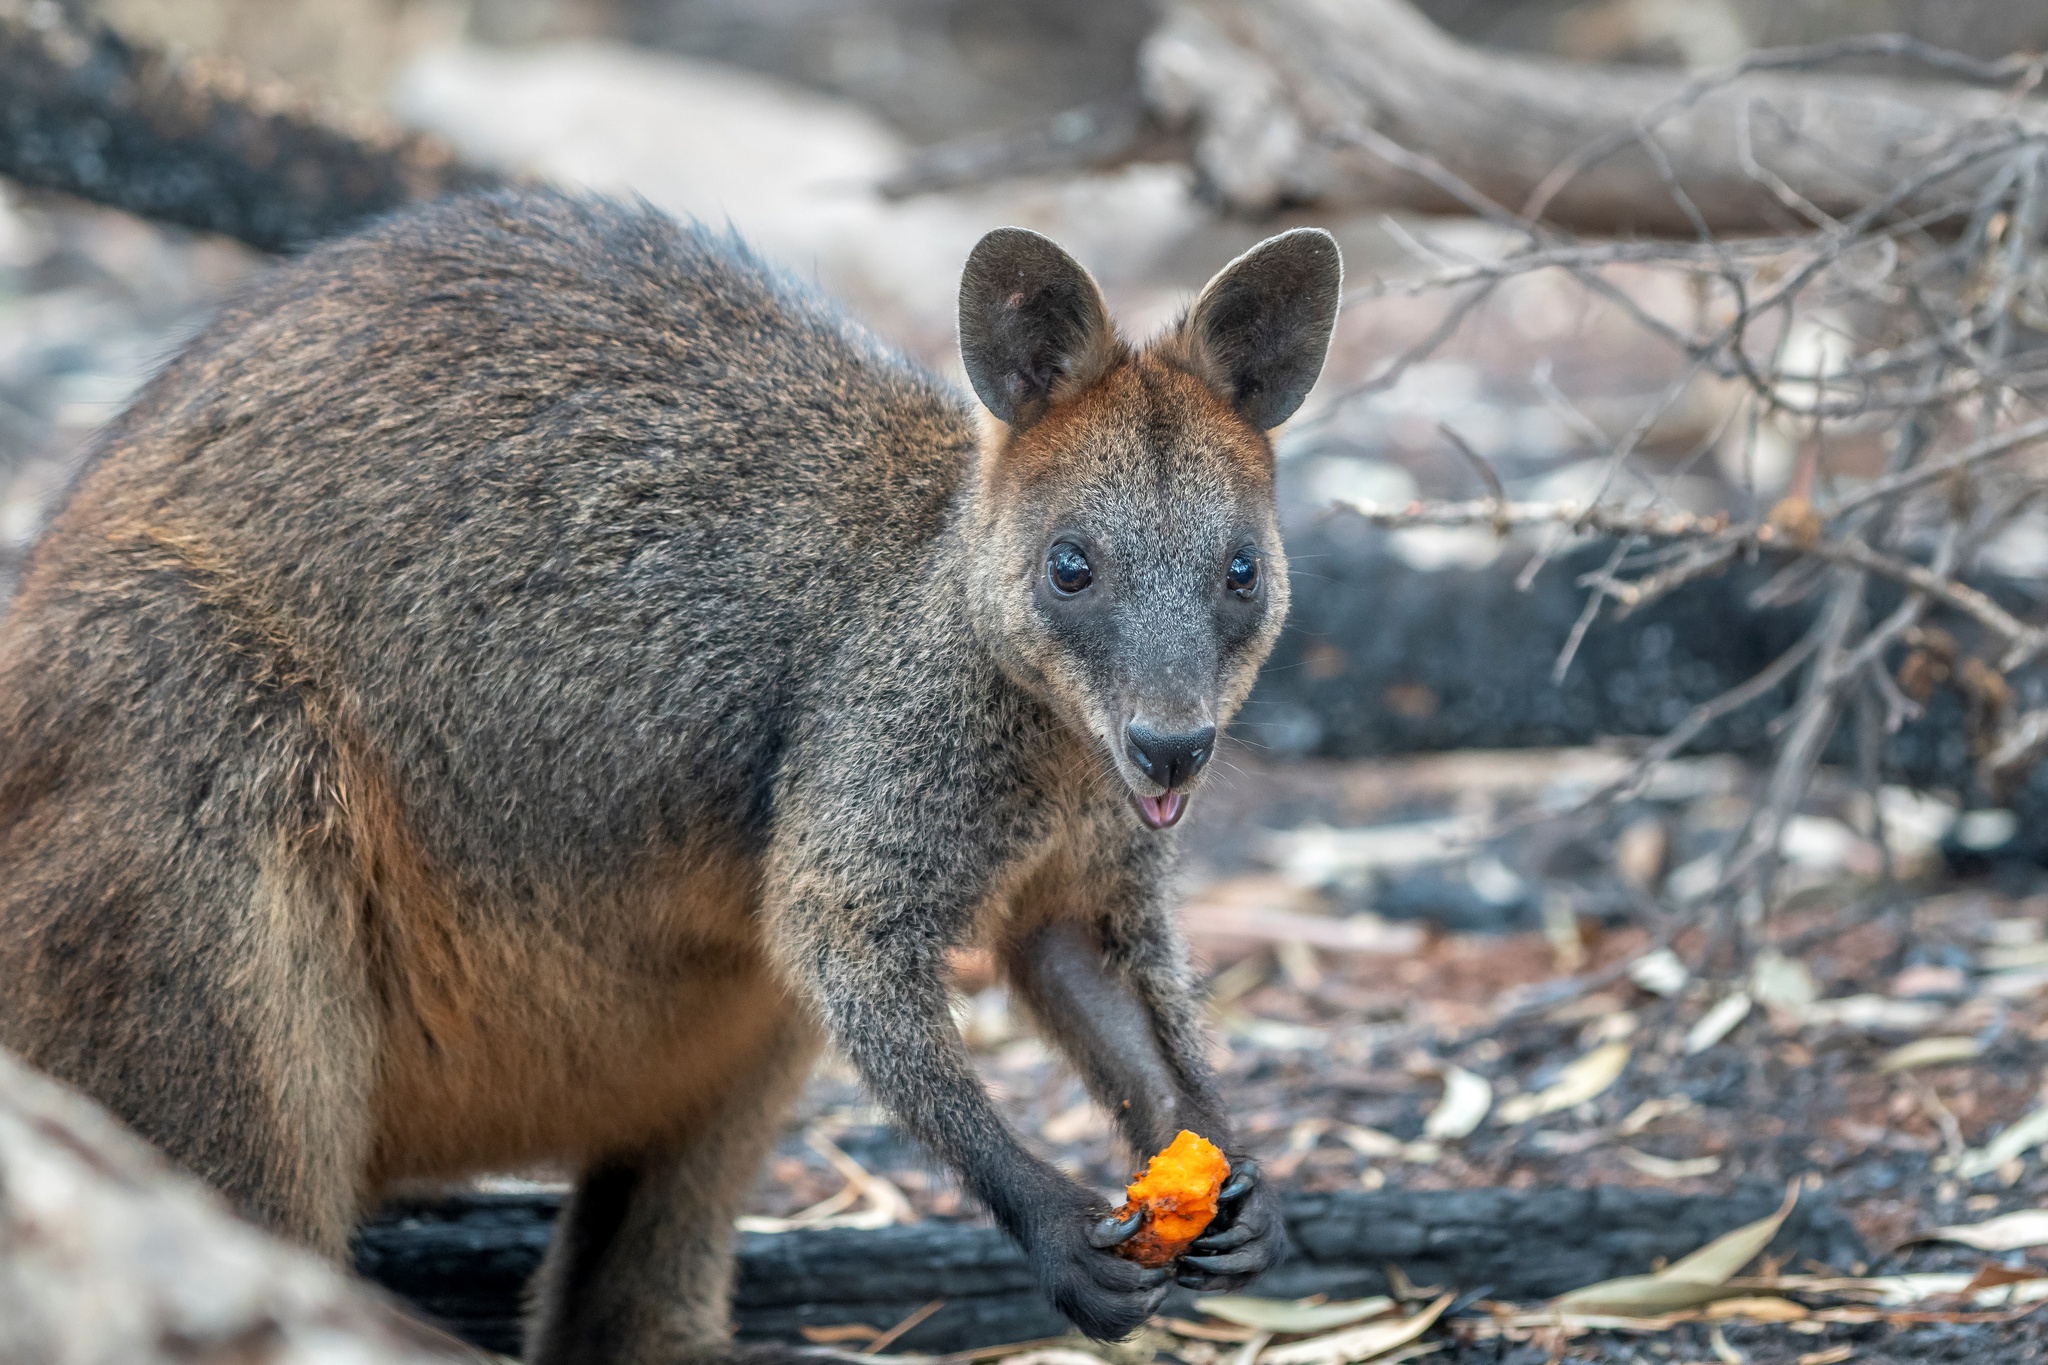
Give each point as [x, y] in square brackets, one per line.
[1161, 811]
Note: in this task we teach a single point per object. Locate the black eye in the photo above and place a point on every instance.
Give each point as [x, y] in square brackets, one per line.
[1243, 578]
[1069, 569]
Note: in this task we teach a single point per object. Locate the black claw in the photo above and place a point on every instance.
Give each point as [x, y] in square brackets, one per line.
[1234, 1263]
[1222, 1239]
[1114, 1231]
[1239, 1184]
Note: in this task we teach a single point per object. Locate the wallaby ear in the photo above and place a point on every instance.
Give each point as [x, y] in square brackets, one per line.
[1033, 327]
[1259, 331]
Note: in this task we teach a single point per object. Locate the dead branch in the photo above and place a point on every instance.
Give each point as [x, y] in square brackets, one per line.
[1298, 101]
[1340, 103]
[108, 1255]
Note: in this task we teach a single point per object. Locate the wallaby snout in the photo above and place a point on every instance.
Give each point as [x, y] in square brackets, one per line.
[1171, 760]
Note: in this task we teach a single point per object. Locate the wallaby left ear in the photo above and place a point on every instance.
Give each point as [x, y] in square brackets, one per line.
[1033, 326]
[1260, 329]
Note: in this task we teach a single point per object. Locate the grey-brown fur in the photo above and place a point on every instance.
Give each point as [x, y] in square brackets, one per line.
[526, 675]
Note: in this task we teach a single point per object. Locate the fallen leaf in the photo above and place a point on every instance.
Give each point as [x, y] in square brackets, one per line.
[1582, 1080]
[1929, 979]
[1358, 1343]
[1720, 1259]
[1876, 1013]
[2007, 1232]
[1929, 1052]
[1900, 1291]
[1687, 1282]
[1422, 1153]
[1466, 1099]
[1891, 1290]
[1991, 1276]
[1723, 1352]
[1204, 1331]
[1055, 1355]
[2015, 985]
[1292, 1315]
[1641, 1296]
[2033, 1289]
[1409, 1352]
[1718, 1022]
[1370, 1143]
[1649, 1111]
[1758, 1308]
[886, 1339]
[1833, 1355]
[1611, 1027]
[1659, 973]
[2005, 957]
[2018, 1139]
[1248, 1354]
[1666, 1168]
[1784, 983]
[1572, 1323]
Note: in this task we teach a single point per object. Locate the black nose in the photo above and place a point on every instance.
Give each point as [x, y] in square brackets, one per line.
[1170, 760]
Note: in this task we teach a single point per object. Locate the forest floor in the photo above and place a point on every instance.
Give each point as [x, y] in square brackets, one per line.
[1367, 927]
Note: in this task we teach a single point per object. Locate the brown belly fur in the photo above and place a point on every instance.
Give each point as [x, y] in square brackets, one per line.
[518, 1038]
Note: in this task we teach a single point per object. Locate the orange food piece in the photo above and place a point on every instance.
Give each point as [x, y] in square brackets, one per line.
[1178, 1194]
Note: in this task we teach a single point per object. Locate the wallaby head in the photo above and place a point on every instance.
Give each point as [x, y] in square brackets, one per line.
[1127, 566]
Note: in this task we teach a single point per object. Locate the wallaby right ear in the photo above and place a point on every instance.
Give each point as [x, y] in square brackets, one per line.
[1033, 326]
[1261, 328]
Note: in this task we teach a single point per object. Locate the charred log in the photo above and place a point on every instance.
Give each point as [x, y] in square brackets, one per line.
[1383, 658]
[464, 1261]
[197, 142]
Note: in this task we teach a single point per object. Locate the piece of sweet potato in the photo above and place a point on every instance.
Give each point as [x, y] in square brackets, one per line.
[1178, 1195]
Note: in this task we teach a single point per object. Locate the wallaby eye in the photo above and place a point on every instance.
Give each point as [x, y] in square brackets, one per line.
[1243, 578]
[1069, 569]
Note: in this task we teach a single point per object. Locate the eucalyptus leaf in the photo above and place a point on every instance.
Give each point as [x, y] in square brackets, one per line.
[1291, 1315]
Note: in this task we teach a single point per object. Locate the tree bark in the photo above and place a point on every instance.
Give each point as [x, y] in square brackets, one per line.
[196, 142]
[109, 1257]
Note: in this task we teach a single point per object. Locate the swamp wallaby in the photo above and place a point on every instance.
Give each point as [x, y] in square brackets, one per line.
[527, 675]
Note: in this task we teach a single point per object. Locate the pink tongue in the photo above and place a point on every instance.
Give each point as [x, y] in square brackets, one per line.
[1161, 810]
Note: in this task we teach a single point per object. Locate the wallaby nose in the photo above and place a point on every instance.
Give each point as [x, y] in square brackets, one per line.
[1170, 760]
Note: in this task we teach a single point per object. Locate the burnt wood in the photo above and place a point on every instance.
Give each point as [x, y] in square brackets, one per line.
[464, 1261]
[197, 142]
[1381, 658]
